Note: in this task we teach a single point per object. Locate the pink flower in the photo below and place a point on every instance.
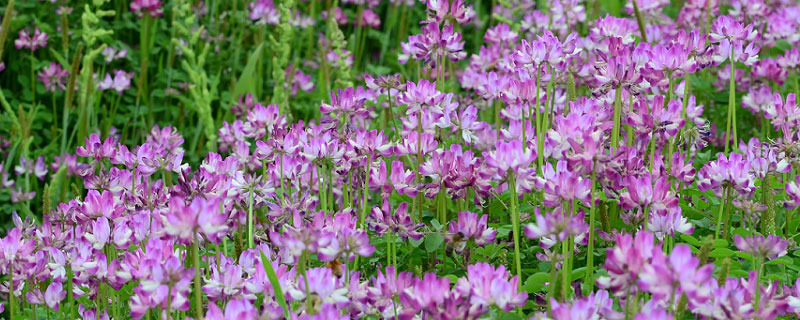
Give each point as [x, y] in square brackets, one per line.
[53, 77]
[120, 82]
[150, 7]
[35, 42]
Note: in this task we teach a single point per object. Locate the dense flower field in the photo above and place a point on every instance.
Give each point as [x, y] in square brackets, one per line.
[399, 159]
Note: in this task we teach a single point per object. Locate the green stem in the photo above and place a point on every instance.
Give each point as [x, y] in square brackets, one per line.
[33, 80]
[731, 126]
[617, 118]
[198, 298]
[725, 199]
[515, 224]
[250, 241]
[589, 280]
[539, 135]
[639, 20]
[11, 297]
[365, 209]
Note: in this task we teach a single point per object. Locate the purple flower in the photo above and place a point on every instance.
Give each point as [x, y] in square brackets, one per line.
[150, 7]
[669, 223]
[509, 157]
[760, 247]
[625, 261]
[784, 114]
[490, 286]
[264, 12]
[53, 77]
[422, 95]
[345, 104]
[35, 42]
[680, 273]
[793, 193]
[94, 148]
[100, 234]
[234, 309]
[558, 225]
[112, 54]
[120, 82]
[725, 27]
[322, 284]
[382, 220]
[565, 185]
[726, 172]
[598, 305]
[54, 295]
[644, 194]
[17, 195]
[201, 215]
[470, 228]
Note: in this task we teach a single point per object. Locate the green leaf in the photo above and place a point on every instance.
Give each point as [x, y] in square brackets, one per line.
[690, 212]
[246, 82]
[578, 273]
[720, 243]
[691, 240]
[55, 185]
[721, 253]
[535, 282]
[60, 58]
[436, 225]
[276, 285]
[742, 232]
[782, 260]
[433, 242]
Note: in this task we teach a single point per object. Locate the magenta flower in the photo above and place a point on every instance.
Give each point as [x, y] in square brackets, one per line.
[598, 305]
[644, 194]
[422, 95]
[725, 27]
[562, 185]
[726, 172]
[625, 261]
[53, 77]
[490, 286]
[470, 228]
[150, 7]
[760, 247]
[100, 234]
[120, 82]
[345, 104]
[669, 223]
[793, 193]
[112, 54]
[558, 225]
[785, 114]
[440, 10]
[509, 157]
[234, 309]
[54, 295]
[321, 283]
[35, 42]
[96, 149]
[264, 12]
[399, 222]
[17, 195]
[435, 43]
[201, 216]
[680, 273]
